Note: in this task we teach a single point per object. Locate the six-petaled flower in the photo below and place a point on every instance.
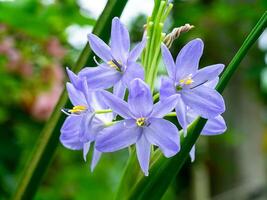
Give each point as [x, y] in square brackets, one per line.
[142, 125]
[82, 124]
[119, 66]
[186, 80]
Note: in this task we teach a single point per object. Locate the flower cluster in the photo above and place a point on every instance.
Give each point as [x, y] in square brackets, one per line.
[93, 118]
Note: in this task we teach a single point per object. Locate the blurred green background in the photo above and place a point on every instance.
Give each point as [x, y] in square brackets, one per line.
[38, 39]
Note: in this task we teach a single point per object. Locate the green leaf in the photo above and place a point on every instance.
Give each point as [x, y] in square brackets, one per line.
[49, 137]
[164, 170]
[40, 21]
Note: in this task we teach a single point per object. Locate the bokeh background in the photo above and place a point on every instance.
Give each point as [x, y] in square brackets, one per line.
[38, 39]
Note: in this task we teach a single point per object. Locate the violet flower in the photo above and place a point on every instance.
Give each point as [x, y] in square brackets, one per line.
[82, 125]
[186, 80]
[142, 125]
[119, 66]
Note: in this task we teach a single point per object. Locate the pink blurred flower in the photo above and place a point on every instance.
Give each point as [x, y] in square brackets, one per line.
[54, 48]
[45, 103]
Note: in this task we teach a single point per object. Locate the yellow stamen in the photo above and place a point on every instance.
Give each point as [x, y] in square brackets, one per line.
[187, 81]
[140, 121]
[112, 64]
[77, 109]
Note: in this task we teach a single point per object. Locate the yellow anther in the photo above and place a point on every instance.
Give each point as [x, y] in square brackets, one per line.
[187, 81]
[140, 121]
[115, 64]
[112, 64]
[77, 109]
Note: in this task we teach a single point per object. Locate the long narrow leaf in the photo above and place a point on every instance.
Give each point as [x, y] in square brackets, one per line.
[49, 137]
[165, 170]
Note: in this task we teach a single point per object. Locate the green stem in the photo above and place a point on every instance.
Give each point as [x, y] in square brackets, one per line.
[45, 148]
[156, 40]
[155, 62]
[171, 114]
[146, 51]
[156, 97]
[129, 176]
[167, 12]
[154, 34]
[164, 170]
[103, 111]
[249, 41]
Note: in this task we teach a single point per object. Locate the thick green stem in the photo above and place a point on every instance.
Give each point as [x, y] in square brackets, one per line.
[154, 38]
[249, 41]
[49, 137]
[164, 170]
[129, 175]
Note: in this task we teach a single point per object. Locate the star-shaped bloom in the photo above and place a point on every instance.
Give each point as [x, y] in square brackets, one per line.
[119, 65]
[82, 125]
[142, 125]
[186, 80]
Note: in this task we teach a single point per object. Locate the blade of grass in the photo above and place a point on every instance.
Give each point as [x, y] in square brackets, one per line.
[164, 170]
[49, 137]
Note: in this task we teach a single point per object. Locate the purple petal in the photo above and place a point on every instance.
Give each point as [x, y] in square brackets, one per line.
[188, 59]
[86, 147]
[181, 111]
[120, 40]
[87, 94]
[167, 88]
[120, 135]
[86, 128]
[137, 50]
[70, 133]
[75, 95]
[96, 100]
[192, 153]
[204, 101]
[143, 153]
[101, 77]
[140, 99]
[133, 71]
[214, 126]
[168, 61]
[163, 134]
[165, 106]
[119, 90]
[74, 79]
[95, 159]
[206, 74]
[100, 48]
[212, 83]
[117, 105]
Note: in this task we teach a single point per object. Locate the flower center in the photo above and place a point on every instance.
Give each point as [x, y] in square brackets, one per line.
[75, 110]
[141, 121]
[115, 64]
[185, 81]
